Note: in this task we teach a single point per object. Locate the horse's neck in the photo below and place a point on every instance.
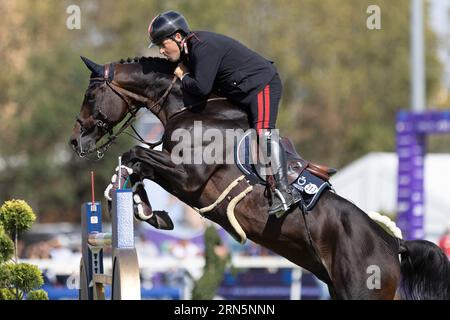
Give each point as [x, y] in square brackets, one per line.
[161, 108]
[153, 84]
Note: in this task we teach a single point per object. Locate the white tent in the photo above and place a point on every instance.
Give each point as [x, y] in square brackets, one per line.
[371, 183]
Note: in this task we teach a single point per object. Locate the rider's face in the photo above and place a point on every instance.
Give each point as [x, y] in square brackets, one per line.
[170, 50]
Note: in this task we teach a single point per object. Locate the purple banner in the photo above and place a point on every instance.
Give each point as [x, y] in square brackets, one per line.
[412, 130]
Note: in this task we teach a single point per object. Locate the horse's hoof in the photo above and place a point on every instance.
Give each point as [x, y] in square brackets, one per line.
[158, 219]
[161, 220]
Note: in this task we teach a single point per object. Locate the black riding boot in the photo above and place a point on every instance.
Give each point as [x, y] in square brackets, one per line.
[285, 195]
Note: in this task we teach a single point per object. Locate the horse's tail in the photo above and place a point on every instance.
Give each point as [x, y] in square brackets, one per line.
[425, 271]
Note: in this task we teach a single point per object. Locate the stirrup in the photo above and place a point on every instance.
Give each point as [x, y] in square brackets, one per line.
[283, 200]
[284, 207]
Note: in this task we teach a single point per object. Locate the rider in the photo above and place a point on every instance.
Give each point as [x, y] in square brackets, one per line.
[211, 62]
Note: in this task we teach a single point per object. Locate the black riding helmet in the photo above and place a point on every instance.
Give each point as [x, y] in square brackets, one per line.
[165, 25]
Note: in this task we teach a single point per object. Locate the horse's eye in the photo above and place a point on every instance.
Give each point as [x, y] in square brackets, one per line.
[90, 99]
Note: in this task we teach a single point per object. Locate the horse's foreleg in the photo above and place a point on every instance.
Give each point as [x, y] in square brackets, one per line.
[157, 166]
[135, 170]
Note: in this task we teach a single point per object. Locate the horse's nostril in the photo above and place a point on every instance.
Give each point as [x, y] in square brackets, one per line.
[73, 143]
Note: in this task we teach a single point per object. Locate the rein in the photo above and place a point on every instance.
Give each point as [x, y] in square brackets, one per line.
[123, 94]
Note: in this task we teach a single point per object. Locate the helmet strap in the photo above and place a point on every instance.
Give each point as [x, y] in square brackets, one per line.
[181, 44]
[184, 45]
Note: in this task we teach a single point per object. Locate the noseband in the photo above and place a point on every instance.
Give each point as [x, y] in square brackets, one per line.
[131, 109]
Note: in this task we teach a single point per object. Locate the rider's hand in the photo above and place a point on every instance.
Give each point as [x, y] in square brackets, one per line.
[181, 71]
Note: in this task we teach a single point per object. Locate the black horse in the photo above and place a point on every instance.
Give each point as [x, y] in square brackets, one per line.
[336, 240]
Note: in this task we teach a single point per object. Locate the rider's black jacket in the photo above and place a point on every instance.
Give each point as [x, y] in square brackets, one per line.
[221, 65]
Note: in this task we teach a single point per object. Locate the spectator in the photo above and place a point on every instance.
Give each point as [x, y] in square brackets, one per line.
[146, 248]
[58, 251]
[185, 249]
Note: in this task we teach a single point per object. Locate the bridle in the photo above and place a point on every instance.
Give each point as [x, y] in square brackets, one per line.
[124, 94]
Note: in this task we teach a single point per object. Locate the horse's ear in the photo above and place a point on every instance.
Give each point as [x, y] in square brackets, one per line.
[95, 68]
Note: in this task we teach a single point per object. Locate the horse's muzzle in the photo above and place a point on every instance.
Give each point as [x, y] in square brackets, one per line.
[73, 143]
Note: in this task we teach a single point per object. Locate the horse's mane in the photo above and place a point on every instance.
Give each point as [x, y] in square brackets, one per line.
[156, 76]
[151, 64]
[157, 73]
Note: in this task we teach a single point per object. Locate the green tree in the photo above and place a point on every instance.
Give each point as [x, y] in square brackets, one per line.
[17, 279]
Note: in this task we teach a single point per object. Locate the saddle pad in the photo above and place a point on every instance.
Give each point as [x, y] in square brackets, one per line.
[310, 187]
